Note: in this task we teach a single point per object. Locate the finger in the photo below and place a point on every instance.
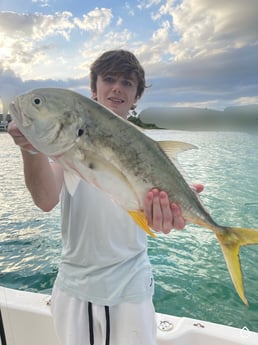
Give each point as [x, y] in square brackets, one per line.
[197, 187]
[148, 207]
[167, 216]
[13, 130]
[20, 139]
[157, 216]
[178, 219]
[16, 134]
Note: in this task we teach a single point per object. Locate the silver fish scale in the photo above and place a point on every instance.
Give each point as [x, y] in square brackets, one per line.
[89, 128]
[141, 159]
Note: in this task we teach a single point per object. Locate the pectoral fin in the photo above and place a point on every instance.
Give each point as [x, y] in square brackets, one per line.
[140, 219]
[71, 180]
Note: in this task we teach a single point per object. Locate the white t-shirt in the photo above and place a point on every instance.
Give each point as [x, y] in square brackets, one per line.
[104, 256]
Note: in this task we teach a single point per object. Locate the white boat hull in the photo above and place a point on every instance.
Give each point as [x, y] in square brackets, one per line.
[26, 320]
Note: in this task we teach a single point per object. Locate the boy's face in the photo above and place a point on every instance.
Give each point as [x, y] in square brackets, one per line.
[117, 93]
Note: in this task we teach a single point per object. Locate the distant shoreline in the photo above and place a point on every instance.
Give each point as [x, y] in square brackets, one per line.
[190, 118]
[3, 126]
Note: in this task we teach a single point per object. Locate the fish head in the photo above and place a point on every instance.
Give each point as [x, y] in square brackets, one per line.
[49, 118]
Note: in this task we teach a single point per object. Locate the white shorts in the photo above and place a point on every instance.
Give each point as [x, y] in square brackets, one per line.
[81, 323]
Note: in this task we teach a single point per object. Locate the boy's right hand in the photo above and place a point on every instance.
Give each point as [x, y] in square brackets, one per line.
[20, 139]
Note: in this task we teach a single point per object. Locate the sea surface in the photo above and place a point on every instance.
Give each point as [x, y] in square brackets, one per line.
[190, 272]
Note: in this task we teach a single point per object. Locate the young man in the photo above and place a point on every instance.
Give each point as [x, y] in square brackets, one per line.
[104, 287]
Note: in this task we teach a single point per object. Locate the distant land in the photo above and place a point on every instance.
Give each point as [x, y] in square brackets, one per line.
[237, 118]
[187, 118]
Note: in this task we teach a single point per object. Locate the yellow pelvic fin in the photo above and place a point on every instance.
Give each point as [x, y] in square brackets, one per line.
[140, 219]
[231, 240]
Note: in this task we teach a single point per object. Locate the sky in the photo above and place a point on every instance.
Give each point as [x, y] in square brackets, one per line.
[196, 53]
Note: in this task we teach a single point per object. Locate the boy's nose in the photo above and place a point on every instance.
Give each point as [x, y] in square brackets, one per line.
[116, 87]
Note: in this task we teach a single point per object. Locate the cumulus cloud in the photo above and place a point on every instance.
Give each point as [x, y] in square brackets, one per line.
[23, 38]
[162, 34]
[205, 53]
[95, 21]
[43, 3]
[12, 85]
[93, 48]
[129, 9]
[35, 26]
[119, 21]
[196, 50]
[207, 27]
[145, 4]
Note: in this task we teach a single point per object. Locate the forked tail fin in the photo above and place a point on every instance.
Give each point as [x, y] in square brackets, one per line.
[231, 239]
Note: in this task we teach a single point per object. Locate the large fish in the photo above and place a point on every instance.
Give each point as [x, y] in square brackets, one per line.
[95, 144]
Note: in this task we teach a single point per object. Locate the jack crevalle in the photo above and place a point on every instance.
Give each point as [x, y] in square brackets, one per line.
[93, 143]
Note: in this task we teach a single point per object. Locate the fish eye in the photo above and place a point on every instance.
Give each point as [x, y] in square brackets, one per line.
[80, 132]
[36, 101]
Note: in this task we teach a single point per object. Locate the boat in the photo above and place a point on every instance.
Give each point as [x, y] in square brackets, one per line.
[25, 319]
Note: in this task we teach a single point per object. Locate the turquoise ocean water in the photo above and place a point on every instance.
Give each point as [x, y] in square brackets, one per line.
[191, 276]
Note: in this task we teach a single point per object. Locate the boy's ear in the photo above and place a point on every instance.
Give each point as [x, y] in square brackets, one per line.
[94, 95]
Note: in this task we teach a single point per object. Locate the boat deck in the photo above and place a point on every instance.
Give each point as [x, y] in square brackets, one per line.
[26, 320]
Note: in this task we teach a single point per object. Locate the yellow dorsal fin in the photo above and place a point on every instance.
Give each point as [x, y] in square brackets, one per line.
[172, 148]
[140, 219]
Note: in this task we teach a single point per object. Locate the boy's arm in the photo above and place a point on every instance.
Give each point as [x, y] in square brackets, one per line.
[43, 179]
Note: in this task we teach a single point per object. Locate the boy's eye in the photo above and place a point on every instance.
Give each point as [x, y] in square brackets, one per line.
[124, 82]
[127, 83]
[109, 79]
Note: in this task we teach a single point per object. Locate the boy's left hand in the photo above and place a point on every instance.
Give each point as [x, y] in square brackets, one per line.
[161, 214]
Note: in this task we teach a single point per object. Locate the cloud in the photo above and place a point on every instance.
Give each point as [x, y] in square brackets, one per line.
[12, 85]
[35, 26]
[129, 9]
[95, 21]
[43, 3]
[206, 27]
[29, 45]
[162, 34]
[93, 48]
[193, 51]
[23, 38]
[204, 54]
[213, 81]
[119, 21]
[145, 4]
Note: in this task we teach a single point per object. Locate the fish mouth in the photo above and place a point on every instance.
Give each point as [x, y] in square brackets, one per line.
[19, 116]
[13, 110]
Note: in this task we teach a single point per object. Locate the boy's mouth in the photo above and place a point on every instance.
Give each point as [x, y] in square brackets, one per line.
[116, 100]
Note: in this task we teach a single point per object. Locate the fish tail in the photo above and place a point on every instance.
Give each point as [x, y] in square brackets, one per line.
[231, 240]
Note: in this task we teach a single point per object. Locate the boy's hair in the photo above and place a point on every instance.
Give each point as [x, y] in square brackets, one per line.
[118, 63]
